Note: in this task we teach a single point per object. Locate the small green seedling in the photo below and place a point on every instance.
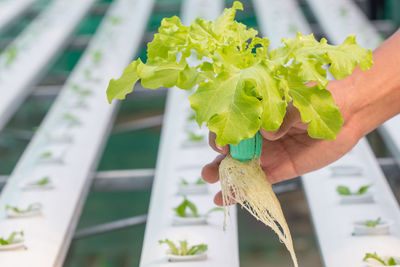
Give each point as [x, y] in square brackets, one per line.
[10, 55]
[199, 181]
[80, 91]
[43, 181]
[391, 261]
[373, 223]
[343, 12]
[71, 119]
[181, 209]
[195, 137]
[30, 208]
[345, 191]
[11, 239]
[184, 249]
[114, 20]
[88, 74]
[46, 155]
[97, 56]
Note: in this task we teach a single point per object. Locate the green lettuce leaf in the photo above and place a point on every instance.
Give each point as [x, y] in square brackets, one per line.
[240, 85]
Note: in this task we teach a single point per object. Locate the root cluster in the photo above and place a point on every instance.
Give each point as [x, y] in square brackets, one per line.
[246, 184]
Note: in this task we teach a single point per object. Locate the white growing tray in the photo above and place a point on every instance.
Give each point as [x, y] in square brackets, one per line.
[333, 221]
[38, 45]
[47, 237]
[176, 161]
[12, 9]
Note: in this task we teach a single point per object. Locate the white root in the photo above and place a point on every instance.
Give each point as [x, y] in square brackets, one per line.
[245, 182]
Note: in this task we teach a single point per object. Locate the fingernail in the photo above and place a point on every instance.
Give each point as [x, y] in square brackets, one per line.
[220, 147]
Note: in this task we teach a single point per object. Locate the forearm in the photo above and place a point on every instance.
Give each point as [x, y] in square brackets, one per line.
[373, 96]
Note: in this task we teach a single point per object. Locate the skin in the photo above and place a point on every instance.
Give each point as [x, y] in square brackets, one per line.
[366, 99]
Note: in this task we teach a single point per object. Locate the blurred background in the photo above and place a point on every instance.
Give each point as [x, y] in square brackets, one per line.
[133, 144]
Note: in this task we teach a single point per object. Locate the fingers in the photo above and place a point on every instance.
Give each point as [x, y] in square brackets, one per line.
[220, 149]
[210, 172]
[292, 118]
[219, 202]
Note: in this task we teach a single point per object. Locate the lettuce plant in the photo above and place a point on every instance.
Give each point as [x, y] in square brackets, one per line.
[195, 137]
[30, 208]
[390, 262]
[240, 85]
[46, 155]
[184, 249]
[199, 181]
[188, 209]
[181, 209]
[11, 239]
[345, 191]
[42, 182]
[373, 223]
[10, 55]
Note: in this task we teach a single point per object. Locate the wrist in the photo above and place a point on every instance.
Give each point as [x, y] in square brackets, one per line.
[372, 99]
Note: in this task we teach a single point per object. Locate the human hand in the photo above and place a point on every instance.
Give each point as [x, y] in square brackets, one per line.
[290, 152]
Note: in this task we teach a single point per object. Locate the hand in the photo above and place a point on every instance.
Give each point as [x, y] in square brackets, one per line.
[289, 152]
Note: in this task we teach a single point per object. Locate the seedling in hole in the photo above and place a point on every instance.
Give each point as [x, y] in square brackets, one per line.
[199, 181]
[343, 12]
[88, 74]
[79, 90]
[390, 262]
[12, 239]
[46, 155]
[72, 120]
[373, 223]
[345, 191]
[195, 137]
[30, 208]
[96, 56]
[114, 20]
[181, 209]
[184, 249]
[42, 182]
[10, 55]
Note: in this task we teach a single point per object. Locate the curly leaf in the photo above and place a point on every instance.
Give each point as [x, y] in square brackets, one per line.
[317, 108]
[119, 88]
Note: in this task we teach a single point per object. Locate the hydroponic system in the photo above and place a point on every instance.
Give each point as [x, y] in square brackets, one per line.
[222, 77]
